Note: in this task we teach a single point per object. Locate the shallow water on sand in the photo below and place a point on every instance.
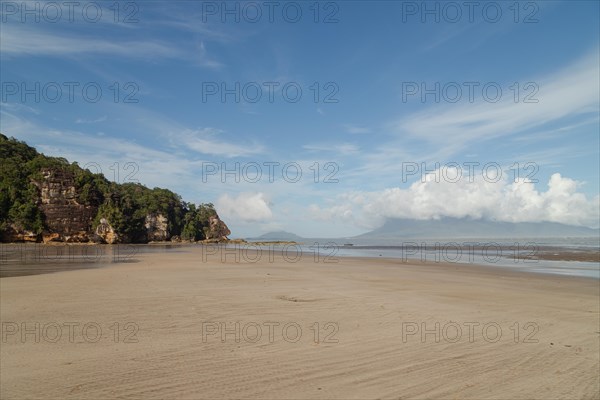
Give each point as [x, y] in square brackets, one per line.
[34, 259]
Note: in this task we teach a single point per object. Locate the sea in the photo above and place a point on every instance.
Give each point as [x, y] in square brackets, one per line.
[523, 254]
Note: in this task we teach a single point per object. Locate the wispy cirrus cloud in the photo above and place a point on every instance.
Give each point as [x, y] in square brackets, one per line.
[339, 148]
[157, 164]
[19, 107]
[571, 92]
[207, 141]
[18, 42]
[91, 121]
[356, 129]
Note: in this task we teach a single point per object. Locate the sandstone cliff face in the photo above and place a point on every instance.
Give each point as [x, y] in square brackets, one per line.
[66, 219]
[217, 229]
[157, 227]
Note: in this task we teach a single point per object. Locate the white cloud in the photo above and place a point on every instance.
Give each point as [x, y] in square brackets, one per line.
[155, 167]
[39, 42]
[509, 201]
[183, 20]
[356, 129]
[205, 141]
[165, 161]
[571, 92]
[18, 107]
[246, 207]
[91, 121]
[204, 58]
[343, 148]
[16, 41]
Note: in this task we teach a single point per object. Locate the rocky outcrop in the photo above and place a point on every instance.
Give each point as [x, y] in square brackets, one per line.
[217, 229]
[66, 219]
[157, 227]
[105, 233]
[14, 235]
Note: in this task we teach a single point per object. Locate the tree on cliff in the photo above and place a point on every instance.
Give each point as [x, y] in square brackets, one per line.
[197, 221]
[18, 196]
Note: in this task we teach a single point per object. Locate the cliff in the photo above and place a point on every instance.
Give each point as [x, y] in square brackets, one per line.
[66, 219]
[44, 199]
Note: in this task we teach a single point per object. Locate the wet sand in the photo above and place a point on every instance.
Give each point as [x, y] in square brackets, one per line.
[190, 325]
[589, 255]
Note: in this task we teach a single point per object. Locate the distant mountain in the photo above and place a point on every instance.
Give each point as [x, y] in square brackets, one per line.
[279, 235]
[470, 228]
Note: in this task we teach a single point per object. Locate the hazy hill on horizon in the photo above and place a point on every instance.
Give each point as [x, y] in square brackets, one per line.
[469, 228]
[452, 228]
[279, 235]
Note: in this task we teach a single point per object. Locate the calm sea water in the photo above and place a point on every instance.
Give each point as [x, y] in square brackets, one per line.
[497, 252]
[33, 259]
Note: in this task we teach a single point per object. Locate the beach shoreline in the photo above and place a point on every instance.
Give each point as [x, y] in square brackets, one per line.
[187, 324]
[18, 259]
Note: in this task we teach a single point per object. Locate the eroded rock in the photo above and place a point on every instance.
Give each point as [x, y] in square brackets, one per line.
[106, 233]
[217, 229]
[66, 219]
[157, 227]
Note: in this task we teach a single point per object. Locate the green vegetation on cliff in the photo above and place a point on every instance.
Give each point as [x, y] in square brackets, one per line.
[126, 206]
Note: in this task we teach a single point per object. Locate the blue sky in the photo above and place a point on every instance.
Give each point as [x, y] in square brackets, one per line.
[361, 120]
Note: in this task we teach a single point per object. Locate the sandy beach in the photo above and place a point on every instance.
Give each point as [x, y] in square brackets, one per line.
[188, 325]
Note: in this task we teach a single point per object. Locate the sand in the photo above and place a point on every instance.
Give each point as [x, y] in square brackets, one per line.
[165, 327]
